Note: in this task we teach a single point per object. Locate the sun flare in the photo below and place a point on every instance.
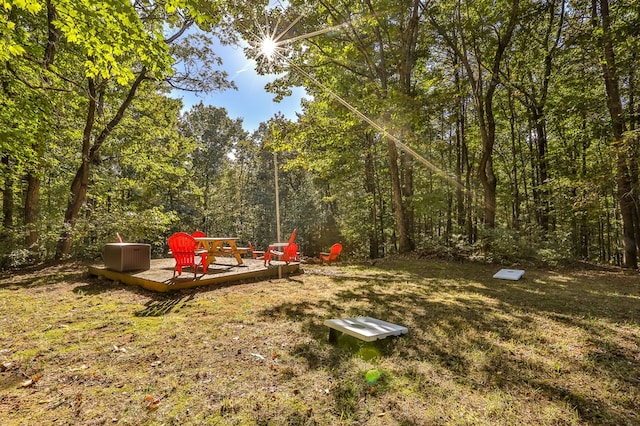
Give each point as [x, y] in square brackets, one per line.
[271, 43]
[268, 47]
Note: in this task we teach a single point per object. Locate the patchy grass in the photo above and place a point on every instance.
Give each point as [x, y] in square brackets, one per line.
[558, 347]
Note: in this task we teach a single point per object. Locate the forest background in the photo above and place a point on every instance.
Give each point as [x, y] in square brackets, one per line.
[500, 129]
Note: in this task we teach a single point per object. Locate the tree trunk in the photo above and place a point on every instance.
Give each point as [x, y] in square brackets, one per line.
[32, 198]
[461, 150]
[541, 140]
[379, 71]
[407, 196]
[80, 181]
[90, 153]
[483, 92]
[488, 178]
[515, 208]
[370, 189]
[7, 195]
[537, 106]
[488, 131]
[633, 144]
[624, 153]
[409, 36]
[405, 244]
[31, 213]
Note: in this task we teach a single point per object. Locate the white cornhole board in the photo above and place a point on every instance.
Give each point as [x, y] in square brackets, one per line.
[509, 274]
[364, 328]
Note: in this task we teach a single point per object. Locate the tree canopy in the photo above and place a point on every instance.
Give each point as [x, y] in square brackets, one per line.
[506, 129]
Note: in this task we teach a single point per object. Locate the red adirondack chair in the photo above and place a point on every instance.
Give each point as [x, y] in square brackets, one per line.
[333, 254]
[286, 252]
[256, 254]
[290, 253]
[199, 247]
[183, 249]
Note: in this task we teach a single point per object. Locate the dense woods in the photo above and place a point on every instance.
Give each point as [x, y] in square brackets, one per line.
[504, 129]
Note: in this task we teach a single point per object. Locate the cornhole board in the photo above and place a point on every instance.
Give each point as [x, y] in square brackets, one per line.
[363, 328]
[509, 274]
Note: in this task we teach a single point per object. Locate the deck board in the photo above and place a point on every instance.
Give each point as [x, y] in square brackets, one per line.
[224, 271]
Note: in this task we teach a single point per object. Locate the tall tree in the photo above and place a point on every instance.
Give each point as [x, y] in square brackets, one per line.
[479, 33]
[120, 46]
[144, 19]
[531, 68]
[626, 161]
[375, 44]
[216, 136]
[143, 181]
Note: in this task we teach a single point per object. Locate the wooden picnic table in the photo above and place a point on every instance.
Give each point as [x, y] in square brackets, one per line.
[221, 246]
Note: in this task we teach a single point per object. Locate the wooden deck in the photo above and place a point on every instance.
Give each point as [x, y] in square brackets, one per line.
[224, 271]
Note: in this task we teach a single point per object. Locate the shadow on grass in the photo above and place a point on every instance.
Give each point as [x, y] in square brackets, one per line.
[159, 304]
[44, 274]
[93, 286]
[163, 306]
[474, 327]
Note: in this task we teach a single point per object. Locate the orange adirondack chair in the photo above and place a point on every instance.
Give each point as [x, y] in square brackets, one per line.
[183, 249]
[333, 254]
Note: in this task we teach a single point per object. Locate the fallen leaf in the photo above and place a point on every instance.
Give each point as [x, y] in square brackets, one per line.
[6, 366]
[152, 402]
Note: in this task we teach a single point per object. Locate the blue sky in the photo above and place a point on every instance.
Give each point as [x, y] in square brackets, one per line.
[250, 102]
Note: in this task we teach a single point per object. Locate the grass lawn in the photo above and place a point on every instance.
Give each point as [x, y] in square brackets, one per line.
[557, 347]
